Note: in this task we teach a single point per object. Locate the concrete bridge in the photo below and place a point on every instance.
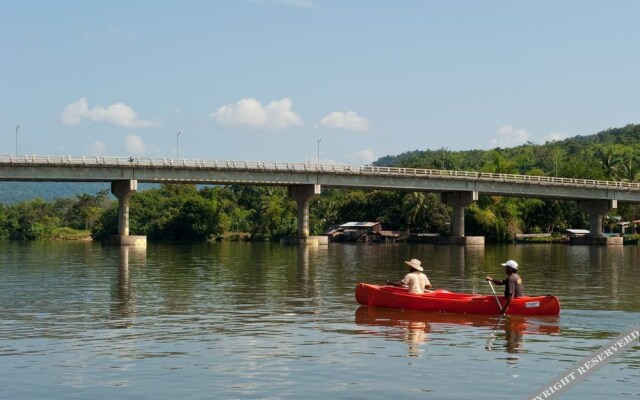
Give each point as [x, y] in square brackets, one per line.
[458, 188]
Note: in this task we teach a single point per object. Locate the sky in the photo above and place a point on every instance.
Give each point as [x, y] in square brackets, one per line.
[334, 81]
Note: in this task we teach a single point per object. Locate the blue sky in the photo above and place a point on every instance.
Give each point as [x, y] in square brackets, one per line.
[263, 80]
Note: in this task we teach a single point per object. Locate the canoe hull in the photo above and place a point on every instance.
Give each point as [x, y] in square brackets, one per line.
[449, 302]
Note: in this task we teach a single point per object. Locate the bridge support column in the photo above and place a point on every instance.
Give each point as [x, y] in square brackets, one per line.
[458, 201]
[596, 209]
[303, 194]
[123, 191]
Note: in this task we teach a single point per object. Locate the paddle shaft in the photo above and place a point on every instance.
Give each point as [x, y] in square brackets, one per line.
[496, 296]
[489, 344]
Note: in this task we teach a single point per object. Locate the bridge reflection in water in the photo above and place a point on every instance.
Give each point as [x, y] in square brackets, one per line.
[123, 304]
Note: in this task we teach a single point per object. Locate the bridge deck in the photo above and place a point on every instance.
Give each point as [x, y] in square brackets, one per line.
[86, 169]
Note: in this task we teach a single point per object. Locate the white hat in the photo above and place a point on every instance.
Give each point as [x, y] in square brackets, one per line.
[511, 264]
[415, 264]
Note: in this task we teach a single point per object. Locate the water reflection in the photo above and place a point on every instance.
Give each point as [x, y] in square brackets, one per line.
[415, 326]
[257, 320]
[507, 333]
[458, 264]
[460, 257]
[303, 264]
[513, 328]
[123, 305]
[308, 258]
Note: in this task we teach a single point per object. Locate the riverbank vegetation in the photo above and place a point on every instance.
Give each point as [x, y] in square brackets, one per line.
[191, 213]
[61, 219]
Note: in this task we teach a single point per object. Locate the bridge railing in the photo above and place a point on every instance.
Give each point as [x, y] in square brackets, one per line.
[100, 161]
[533, 179]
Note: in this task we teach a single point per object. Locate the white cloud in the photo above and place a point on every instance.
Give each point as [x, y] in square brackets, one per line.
[135, 145]
[251, 113]
[365, 156]
[97, 148]
[118, 114]
[349, 121]
[509, 137]
[555, 136]
[73, 112]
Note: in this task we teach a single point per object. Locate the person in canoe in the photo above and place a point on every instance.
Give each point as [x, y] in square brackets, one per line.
[415, 280]
[512, 283]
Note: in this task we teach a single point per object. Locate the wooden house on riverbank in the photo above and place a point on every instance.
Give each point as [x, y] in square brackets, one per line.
[362, 232]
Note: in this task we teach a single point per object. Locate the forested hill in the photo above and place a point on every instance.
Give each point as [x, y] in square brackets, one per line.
[613, 154]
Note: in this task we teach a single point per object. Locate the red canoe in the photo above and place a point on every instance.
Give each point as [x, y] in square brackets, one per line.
[449, 302]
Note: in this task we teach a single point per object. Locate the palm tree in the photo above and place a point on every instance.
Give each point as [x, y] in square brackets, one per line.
[610, 163]
[630, 169]
[416, 208]
[326, 211]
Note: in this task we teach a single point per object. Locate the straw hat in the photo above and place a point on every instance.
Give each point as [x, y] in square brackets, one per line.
[415, 264]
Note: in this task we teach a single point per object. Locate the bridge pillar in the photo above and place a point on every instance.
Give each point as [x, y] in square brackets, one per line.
[303, 194]
[123, 191]
[596, 209]
[458, 201]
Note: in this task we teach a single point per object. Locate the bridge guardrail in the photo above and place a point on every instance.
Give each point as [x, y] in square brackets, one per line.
[100, 161]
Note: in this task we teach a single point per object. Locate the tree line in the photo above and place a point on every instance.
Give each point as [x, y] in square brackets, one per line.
[198, 213]
[64, 218]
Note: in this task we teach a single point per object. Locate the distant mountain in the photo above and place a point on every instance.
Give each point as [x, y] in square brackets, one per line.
[16, 192]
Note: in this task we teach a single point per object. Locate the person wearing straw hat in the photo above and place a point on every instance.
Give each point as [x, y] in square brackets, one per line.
[415, 280]
[512, 283]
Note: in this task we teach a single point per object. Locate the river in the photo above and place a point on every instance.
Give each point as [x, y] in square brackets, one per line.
[80, 320]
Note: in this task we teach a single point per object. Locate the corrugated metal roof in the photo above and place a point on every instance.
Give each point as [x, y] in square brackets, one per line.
[578, 231]
[359, 224]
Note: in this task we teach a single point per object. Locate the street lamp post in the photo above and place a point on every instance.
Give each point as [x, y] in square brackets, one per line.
[17, 127]
[178, 145]
[318, 165]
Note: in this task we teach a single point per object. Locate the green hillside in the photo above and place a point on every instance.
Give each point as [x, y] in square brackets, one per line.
[613, 154]
[16, 192]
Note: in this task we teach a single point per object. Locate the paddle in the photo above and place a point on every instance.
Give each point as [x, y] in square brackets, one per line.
[489, 344]
[496, 296]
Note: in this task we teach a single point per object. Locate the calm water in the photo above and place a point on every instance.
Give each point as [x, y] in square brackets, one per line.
[265, 321]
